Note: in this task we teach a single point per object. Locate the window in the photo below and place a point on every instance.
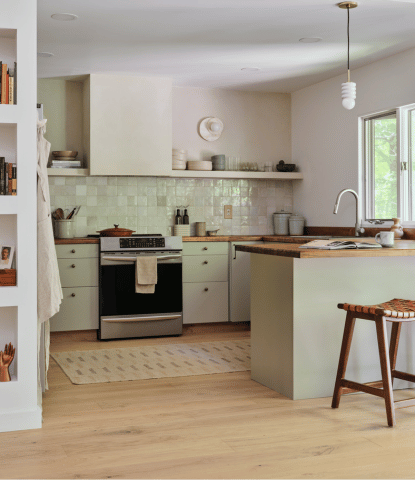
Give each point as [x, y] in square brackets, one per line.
[388, 161]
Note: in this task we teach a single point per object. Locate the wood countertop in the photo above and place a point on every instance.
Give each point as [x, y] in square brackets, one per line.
[402, 248]
[77, 240]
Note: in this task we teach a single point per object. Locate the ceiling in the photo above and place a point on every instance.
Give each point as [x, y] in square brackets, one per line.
[206, 43]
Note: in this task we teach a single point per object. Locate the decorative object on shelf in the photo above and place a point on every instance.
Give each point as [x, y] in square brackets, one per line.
[203, 165]
[348, 88]
[116, 232]
[6, 359]
[268, 167]
[6, 256]
[179, 158]
[218, 162]
[285, 167]
[8, 278]
[65, 159]
[397, 228]
[210, 128]
[213, 233]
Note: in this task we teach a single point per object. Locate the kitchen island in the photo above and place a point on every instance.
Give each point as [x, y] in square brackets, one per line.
[296, 327]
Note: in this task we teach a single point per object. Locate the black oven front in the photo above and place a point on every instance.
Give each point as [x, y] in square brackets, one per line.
[127, 314]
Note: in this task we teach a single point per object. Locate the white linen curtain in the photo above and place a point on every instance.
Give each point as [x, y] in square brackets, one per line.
[49, 290]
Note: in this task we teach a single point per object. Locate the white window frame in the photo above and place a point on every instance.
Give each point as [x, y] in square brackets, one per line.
[404, 179]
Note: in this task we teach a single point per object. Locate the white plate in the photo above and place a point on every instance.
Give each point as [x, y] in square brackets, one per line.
[181, 156]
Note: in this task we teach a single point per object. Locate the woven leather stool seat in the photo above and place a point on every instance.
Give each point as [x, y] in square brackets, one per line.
[397, 308]
[396, 311]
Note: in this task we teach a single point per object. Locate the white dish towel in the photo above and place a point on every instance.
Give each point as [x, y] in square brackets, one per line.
[146, 274]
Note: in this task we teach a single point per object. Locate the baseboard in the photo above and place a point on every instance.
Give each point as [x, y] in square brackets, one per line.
[21, 420]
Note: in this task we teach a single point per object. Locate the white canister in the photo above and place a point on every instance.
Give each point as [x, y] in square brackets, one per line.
[281, 222]
[64, 228]
[296, 223]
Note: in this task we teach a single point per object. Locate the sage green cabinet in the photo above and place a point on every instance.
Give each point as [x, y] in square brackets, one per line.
[205, 282]
[78, 269]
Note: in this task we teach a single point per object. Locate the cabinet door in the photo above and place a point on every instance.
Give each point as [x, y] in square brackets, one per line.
[130, 125]
[240, 284]
[79, 272]
[79, 310]
[205, 302]
[209, 268]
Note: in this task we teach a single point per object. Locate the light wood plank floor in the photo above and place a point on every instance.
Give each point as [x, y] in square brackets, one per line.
[210, 426]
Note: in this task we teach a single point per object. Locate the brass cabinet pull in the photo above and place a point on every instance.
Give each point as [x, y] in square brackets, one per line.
[73, 265]
[73, 251]
[72, 295]
[205, 262]
[206, 289]
[205, 248]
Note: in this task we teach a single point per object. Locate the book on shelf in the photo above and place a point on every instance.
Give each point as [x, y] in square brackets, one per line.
[339, 244]
[8, 92]
[8, 178]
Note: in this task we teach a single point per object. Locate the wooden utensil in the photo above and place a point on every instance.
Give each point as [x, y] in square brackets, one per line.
[59, 214]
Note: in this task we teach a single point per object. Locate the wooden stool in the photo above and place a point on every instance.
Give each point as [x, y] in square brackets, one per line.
[396, 311]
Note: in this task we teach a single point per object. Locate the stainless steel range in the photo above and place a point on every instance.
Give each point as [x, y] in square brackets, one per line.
[123, 313]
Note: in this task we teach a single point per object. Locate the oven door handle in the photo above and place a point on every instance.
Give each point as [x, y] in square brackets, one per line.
[139, 319]
[133, 259]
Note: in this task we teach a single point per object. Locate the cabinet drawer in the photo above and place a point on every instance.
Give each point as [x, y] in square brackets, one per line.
[205, 302]
[209, 268]
[205, 248]
[79, 310]
[78, 272]
[77, 251]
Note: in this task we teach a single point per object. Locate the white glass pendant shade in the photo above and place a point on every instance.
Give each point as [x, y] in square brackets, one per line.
[215, 127]
[348, 95]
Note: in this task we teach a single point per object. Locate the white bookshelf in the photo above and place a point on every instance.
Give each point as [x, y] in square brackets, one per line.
[19, 409]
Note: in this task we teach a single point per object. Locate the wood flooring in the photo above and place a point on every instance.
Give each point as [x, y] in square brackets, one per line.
[209, 426]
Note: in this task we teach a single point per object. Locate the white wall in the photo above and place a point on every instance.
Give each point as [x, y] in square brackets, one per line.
[325, 135]
[257, 125]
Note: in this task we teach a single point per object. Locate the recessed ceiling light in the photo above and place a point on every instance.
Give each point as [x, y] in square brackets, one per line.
[250, 69]
[45, 54]
[310, 39]
[64, 17]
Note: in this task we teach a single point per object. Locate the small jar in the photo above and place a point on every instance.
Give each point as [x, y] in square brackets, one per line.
[268, 167]
[296, 224]
[200, 229]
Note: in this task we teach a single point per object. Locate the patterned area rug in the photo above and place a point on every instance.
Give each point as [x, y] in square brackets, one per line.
[155, 361]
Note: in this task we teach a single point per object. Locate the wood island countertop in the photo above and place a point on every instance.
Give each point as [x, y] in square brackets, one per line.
[402, 248]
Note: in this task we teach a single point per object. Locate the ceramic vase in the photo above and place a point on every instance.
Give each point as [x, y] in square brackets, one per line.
[397, 228]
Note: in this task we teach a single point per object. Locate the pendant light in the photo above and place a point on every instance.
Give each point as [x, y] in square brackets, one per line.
[348, 88]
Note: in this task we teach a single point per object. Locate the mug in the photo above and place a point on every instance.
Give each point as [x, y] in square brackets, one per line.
[386, 239]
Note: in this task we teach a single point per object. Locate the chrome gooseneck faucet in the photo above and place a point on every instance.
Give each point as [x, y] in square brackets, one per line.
[358, 226]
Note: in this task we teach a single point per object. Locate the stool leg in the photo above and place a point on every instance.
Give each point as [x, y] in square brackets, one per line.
[385, 367]
[393, 349]
[344, 357]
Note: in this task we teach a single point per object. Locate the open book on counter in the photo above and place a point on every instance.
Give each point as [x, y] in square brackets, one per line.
[338, 244]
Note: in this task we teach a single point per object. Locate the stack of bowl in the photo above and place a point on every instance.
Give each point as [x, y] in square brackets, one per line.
[179, 158]
[218, 162]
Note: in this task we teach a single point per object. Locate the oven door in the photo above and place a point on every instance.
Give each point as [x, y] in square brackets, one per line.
[125, 313]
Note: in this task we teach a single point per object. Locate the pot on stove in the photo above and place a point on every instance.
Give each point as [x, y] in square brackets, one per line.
[116, 232]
